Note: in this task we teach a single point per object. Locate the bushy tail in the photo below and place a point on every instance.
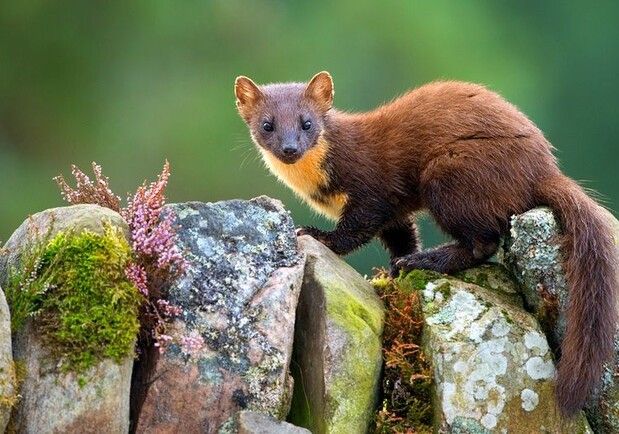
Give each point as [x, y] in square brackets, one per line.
[591, 272]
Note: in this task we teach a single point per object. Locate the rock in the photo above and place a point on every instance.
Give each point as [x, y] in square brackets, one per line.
[68, 402]
[49, 222]
[493, 368]
[238, 300]
[532, 252]
[53, 400]
[251, 422]
[8, 393]
[337, 346]
[496, 278]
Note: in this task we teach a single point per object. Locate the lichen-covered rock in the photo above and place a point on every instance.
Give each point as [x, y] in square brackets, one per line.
[493, 368]
[337, 346]
[496, 278]
[532, 252]
[8, 394]
[231, 345]
[52, 399]
[251, 422]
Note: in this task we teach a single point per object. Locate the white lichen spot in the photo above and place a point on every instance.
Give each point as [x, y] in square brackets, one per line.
[461, 310]
[500, 328]
[536, 342]
[449, 394]
[477, 331]
[438, 297]
[489, 421]
[460, 366]
[428, 292]
[538, 368]
[530, 399]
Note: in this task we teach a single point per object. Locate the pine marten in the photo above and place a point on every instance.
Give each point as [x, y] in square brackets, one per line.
[469, 158]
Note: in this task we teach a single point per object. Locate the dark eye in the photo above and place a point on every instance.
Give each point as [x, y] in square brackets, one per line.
[306, 125]
[268, 126]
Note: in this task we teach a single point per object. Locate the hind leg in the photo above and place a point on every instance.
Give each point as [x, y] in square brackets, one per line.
[400, 238]
[448, 258]
[474, 217]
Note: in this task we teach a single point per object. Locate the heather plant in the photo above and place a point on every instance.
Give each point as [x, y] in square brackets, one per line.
[156, 258]
[95, 191]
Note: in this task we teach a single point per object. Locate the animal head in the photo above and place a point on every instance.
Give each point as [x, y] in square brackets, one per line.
[285, 119]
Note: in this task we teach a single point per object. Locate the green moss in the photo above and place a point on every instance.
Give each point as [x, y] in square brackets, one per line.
[430, 308]
[353, 386]
[360, 379]
[507, 317]
[11, 379]
[445, 289]
[349, 312]
[416, 280]
[75, 288]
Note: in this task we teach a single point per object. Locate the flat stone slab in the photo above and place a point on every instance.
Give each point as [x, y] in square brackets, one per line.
[251, 422]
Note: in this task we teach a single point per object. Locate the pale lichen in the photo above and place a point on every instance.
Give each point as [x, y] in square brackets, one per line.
[533, 253]
[486, 353]
[530, 399]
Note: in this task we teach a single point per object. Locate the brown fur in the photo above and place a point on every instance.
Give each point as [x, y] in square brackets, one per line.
[471, 160]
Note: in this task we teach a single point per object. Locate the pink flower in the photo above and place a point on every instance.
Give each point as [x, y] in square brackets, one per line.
[153, 235]
[168, 310]
[137, 275]
[192, 343]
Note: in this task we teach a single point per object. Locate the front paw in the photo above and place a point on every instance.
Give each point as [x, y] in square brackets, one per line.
[396, 265]
[414, 261]
[312, 232]
[431, 260]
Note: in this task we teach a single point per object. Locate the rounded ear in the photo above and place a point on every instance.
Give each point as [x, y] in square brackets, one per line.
[247, 94]
[320, 90]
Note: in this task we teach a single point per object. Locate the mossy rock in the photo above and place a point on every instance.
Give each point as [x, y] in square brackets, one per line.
[46, 224]
[337, 358]
[74, 290]
[75, 321]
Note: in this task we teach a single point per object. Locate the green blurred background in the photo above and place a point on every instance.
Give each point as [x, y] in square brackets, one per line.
[129, 84]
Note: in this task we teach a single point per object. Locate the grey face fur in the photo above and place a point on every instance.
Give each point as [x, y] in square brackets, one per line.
[286, 124]
[286, 119]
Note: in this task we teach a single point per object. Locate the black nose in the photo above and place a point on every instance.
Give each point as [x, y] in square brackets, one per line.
[290, 149]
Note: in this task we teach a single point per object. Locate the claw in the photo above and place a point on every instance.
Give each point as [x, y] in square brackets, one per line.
[395, 267]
